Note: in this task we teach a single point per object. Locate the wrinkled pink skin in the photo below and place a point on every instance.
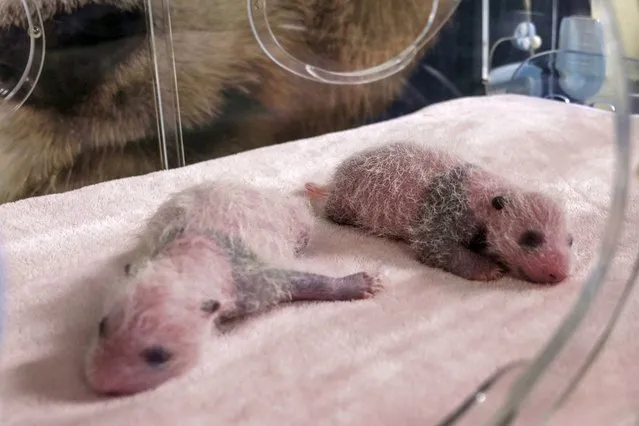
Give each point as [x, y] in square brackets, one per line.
[437, 203]
[159, 305]
[181, 283]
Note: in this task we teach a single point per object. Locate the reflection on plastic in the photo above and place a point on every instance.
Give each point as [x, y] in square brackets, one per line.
[274, 50]
[591, 83]
[486, 399]
[579, 63]
[580, 58]
[22, 89]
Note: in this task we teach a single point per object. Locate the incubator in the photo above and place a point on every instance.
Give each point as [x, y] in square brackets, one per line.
[129, 87]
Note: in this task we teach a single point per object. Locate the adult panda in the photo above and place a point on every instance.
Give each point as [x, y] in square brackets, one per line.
[92, 115]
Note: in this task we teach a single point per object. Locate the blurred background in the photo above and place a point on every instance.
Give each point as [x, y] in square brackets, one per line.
[456, 56]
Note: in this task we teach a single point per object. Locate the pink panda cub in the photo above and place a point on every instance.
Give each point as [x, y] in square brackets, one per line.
[211, 253]
[455, 215]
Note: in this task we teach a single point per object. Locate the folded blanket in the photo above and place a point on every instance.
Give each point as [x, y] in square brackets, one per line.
[406, 357]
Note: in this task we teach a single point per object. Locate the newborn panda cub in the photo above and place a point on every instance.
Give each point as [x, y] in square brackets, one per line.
[455, 215]
[211, 253]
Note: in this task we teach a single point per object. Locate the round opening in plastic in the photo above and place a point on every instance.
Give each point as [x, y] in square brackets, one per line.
[274, 31]
[20, 67]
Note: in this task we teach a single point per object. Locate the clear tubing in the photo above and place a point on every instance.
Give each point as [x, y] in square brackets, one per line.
[549, 379]
[265, 37]
[474, 409]
[37, 43]
[165, 87]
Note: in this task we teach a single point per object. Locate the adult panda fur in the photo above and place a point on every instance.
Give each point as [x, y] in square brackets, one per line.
[92, 114]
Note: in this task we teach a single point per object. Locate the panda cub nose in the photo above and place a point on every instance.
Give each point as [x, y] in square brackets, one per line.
[556, 277]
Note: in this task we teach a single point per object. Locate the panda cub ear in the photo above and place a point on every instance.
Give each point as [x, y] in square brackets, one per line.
[499, 202]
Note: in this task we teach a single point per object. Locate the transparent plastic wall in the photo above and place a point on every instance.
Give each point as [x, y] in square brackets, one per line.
[92, 91]
[76, 95]
[286, 70]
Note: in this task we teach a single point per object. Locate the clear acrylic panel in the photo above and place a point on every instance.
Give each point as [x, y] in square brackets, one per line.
[290, 70]
[76, 95]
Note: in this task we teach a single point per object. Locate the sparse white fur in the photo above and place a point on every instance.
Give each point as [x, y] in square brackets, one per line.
[230, 206]
[212, 252]
[449, 211]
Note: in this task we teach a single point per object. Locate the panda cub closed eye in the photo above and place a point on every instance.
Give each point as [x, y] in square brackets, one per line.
[102, 328]
[531, 239]
[153, 356]
[499, 202]
[156, 356]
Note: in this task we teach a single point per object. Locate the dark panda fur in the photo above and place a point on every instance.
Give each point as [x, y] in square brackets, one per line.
[92, 115]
